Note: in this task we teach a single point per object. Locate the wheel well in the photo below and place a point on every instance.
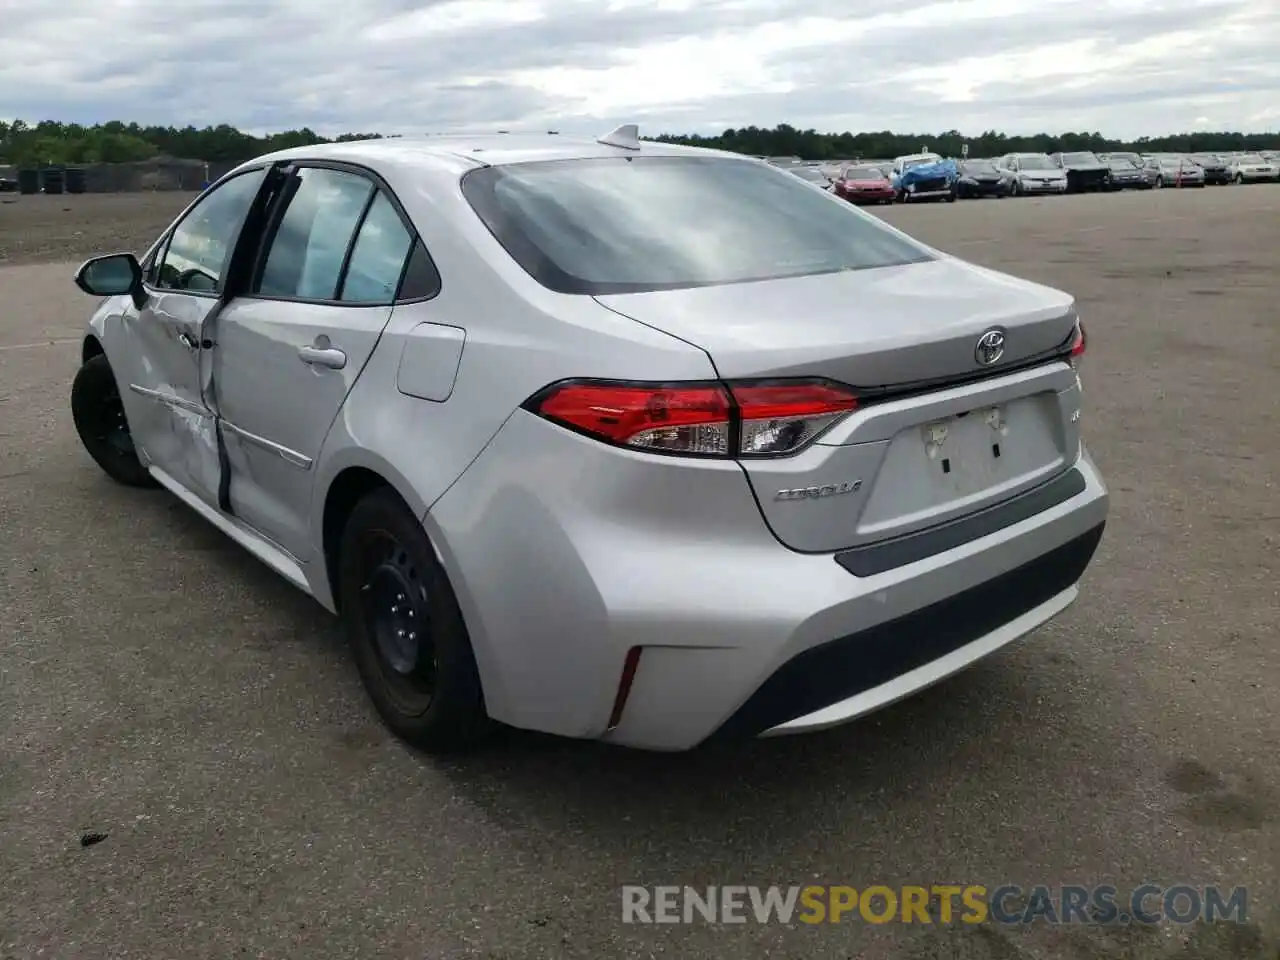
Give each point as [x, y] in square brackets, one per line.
[90, 349]
[347, 489]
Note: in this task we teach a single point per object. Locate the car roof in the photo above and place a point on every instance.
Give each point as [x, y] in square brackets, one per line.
[462, 152]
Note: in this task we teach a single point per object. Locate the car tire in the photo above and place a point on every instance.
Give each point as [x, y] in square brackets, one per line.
[426, 687]
[1239, 178]
[98, 413]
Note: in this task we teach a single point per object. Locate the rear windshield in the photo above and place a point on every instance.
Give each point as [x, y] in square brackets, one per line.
[628, 225]
[864, 173]
[1079, 158]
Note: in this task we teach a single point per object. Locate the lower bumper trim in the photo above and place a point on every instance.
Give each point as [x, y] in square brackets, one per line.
[840, 669]
[889, 554]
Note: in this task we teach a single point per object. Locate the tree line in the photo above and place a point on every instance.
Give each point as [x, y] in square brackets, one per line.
[51, 142]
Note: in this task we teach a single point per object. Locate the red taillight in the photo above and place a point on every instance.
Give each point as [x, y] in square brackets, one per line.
[1078, 344]
[782, 418]
[698, 419]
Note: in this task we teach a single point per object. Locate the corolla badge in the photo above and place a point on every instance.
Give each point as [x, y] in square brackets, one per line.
[990, 347]
[814, 493]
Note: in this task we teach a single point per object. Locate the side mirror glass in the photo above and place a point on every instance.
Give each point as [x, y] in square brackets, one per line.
[111, 276]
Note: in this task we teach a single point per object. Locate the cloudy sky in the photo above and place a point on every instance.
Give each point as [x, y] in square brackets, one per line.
[1124, 67]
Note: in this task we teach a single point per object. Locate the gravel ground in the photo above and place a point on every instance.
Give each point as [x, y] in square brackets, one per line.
[159, 688]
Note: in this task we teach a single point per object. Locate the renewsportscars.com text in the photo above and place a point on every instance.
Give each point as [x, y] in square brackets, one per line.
[940, 903]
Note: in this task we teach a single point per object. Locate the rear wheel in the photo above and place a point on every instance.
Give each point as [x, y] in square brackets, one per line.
[405, 628]
[98, 413]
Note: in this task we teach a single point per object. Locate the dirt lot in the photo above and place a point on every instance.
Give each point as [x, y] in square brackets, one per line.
[160, 688]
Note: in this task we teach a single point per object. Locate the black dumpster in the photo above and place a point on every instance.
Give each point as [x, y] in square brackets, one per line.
[75, 179]
[53, 179]
[28, 181]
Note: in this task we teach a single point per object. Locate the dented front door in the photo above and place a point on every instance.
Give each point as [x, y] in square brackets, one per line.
[174, 426]
[165, 360]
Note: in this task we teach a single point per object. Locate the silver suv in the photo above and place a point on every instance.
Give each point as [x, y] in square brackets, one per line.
[605, 438]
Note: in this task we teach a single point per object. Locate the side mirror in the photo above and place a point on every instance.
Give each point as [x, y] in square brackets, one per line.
[111, 276]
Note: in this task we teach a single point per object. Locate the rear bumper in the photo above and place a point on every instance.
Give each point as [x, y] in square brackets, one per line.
[566, 554]
[870, 196]
[853, 675]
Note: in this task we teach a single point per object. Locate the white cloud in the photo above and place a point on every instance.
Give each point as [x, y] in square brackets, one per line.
[1124, 67]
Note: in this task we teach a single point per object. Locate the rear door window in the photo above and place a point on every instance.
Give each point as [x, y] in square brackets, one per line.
[309, 247]
[378, 257]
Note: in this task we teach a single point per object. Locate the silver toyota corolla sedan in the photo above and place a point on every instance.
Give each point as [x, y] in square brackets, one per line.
[604, 438]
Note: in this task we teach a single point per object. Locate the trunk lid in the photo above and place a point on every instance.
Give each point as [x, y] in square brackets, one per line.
[885, 327]
[939, 436]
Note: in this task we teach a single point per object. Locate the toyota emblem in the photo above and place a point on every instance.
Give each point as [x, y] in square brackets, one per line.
[990, 348]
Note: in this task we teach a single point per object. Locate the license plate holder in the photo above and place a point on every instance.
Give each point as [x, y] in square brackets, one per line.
[968, 443]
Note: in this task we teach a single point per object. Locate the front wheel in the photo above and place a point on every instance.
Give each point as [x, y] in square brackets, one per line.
[98, 413]
[406, 630]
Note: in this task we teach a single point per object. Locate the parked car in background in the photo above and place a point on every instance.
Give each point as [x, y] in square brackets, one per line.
[860, 183]
[530, 535]
[1253, 168]
[982, 178]
[1126, 175]
[810, 173]
[1083, 170]
[1216, 169]
[1134, 158]
[924, 176]
[1033, 173]
[1171, 170]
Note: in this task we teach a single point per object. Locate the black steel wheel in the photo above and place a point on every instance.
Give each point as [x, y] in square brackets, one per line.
[98, 411]
[406, 630]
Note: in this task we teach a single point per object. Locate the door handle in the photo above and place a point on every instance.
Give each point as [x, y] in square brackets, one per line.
[188, 341]
[323, 357]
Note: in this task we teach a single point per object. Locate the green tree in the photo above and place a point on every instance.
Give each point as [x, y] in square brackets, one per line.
[50, 141]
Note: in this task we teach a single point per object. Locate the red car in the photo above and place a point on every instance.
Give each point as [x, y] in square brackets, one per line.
[864, 184]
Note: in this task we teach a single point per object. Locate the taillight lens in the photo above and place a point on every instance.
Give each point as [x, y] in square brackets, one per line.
[698, 419]
[781, 418]
[1078, 344]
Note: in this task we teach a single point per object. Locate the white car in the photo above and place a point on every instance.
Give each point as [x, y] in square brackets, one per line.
[1253, 168]
[1033, 173]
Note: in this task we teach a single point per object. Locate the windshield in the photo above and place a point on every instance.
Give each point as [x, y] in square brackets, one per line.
[978, 166]
[1036, 163]
[1079, 158]
[863, 173]
[1251, 158]
[627, 225]
[1120, 163]
[919, 162]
